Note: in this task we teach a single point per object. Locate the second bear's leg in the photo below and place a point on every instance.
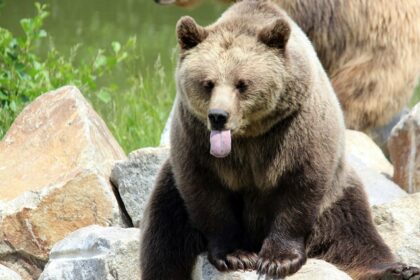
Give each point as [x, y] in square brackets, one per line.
[170, 245]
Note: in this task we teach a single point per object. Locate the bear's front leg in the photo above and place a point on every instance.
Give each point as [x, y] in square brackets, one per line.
[225, 244]
[210, 208]
[280, 256]
[283, 251]
[170, 244]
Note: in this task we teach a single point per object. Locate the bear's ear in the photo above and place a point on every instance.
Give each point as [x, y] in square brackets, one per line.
[276, 34]
[189, 33]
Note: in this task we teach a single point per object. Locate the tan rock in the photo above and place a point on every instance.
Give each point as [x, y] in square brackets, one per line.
[361, 146]
[57, 133]
[55, 163]
[404, 150]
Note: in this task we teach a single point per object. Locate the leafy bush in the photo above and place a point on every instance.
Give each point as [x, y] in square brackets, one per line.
[133, 114]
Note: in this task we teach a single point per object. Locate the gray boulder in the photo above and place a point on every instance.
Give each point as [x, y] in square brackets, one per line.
[375, 171]
[95, 253]
[8, 274]
[135, 178]
[313, 270]
[113, 253]
[379, 188]
[399, 224]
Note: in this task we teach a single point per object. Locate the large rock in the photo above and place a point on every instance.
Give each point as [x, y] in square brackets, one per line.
[404, 150]
[55, 163]
[96, 253]
[313, 270]
[372, 167]
[7, 274]
[362, 147]
[399, 224]
[379, 188]
[102, 253]
[99, 253]
[135, 178]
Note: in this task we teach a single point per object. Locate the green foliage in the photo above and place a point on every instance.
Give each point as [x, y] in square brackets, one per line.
[134, 115]
[416, 97]
[137, 116]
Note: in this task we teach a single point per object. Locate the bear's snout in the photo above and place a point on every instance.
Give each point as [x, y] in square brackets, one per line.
[218, 118]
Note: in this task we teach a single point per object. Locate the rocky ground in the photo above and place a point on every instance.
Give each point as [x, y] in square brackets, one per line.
[71, 202]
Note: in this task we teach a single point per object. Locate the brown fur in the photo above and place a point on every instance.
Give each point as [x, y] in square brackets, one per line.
[284, 193]
[370, 50]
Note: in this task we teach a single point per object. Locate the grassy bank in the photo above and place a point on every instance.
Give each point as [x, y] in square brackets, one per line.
[121, 55]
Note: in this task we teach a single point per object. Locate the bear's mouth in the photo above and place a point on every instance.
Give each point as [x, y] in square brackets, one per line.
[220, 143]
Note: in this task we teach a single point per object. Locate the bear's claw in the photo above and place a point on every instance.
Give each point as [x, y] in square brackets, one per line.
[404, 272]
[280, 267]
[238, 260]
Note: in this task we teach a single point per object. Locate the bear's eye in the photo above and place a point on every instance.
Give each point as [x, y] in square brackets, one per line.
[241, 86]
[208, 85]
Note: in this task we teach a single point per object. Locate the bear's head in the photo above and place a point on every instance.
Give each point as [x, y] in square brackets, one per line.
[235, 75]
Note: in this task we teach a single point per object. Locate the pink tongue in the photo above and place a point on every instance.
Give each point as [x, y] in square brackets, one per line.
[220, 143]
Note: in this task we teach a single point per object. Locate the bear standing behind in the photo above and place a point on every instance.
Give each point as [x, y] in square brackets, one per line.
[370, 51]
[257, 174]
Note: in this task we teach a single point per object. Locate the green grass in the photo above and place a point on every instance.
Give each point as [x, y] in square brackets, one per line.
[135, 109]
[136, 116]
[132, 90]
[416, 97]
[139, 106]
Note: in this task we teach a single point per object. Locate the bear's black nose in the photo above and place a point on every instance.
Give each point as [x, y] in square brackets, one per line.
[218, 118]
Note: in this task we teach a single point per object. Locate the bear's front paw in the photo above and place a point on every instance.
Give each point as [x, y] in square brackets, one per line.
[238, 260]
[277, 262]
[401, 271]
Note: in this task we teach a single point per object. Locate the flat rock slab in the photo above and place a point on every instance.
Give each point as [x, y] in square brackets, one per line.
[102, 253]
[109, 253]
[398, 223]
[313, 270]
[379, 188]
[96, 253]
[8, 274]
[55, 163]
[135, 178]
[375, 171]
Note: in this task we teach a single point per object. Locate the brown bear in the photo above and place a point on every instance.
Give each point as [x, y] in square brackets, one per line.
[370, 50]
[257, 175]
